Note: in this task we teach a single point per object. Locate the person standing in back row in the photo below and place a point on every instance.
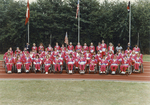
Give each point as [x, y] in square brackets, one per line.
[119, 47]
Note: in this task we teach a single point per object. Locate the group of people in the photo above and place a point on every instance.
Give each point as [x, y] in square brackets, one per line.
[75, 57]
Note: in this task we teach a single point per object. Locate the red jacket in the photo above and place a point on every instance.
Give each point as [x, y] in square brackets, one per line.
[128, 51]
[27, 60]
[136, 49]
[34, 48]
[70, 47]
[78, 47]
[93, 62]
[98, 48]
[85, 48]
[49, 48]
[40, 48]
[70, 61]
[111, 48]
[104, 47]
[9, 61]
[103, 62]
[47, 62]
[57, 61]
[37, 61]
[91, 49]
[57, 47]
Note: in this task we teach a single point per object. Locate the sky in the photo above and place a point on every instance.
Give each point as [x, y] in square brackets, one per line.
[99, 0]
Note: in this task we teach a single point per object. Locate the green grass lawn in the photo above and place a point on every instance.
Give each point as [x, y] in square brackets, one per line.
[57, 92]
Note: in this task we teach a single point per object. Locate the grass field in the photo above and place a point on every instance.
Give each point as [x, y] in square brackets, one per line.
[60, 92]
[145, 57]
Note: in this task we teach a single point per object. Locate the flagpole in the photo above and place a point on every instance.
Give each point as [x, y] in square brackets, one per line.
[130, 25]
[79, 23]
[28, 31]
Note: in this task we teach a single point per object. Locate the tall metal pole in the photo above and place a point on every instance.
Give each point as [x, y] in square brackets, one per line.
[79, 23]
[28, 31]
[130, 25]
[138, 40]
[50, 38]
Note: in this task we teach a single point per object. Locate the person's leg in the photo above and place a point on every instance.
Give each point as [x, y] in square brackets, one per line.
[121, 67]
[71, 67]
[55, 67]
[68, 66]
[46, 68]
[58, 65]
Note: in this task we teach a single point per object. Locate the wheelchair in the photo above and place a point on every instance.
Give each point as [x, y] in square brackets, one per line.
[95, 69]
[104, 72]
[6, 70]
[127, 72]
[35, 71]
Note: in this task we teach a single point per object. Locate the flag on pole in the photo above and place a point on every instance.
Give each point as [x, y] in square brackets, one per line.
[27, 13]
[128, 7]
[77, 9]
[66, 39]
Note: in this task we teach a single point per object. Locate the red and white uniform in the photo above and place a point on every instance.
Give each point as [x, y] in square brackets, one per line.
[128, 51]
[78, 47]
[14, 59]
[27, 62]
[93, 64]
[138, 62]
[103, 63]
[9, 63]
[47, 63]
[82, 63]
[63, 48]
[91, 49]
[133, 57]
[70, 62]
[34, 48]
[111, 48]
[70, 47]
[103, 47]
[77, 58]
[57, 48]
[37, 63]
[98, 48]
[40, 48]
[110, 56]
[18, 51]
[85, 48]
[114, 64]
[136, 49]
[54, 54]
[125, 64]
[98, 56]
[49, 49]
[19, 63]
[57, 63]
[88, 57]
[61, 57]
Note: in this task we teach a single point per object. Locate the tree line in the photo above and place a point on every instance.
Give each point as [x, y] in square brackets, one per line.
[106, 20]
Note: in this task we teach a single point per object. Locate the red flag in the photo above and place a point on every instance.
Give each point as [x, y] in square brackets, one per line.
[27, 13]
[77, 9]
[128, 7]
[66, 39]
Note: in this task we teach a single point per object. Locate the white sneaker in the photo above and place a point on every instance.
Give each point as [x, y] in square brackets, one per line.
[103, 71]
[27, 71]
[46, 73]
[19, 70]
[9, 72]
[100, 71]
[76, 67]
